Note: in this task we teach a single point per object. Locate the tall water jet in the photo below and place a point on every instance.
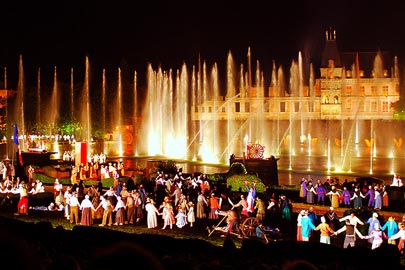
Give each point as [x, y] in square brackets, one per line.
[207, 152]
[294, 91]
[204, 150]
[230, 76]
[215, 127]
[249, 91]
[372, 143]
[103, 107]
[118, 121]
[151, 121]
[54, 106]
[54, 114]
[174, 109]
[249, 75]
[6, 154]
[280, 92]
[19, 107]
[182, 98]
[301, 95]
[230, 94]
[135, 113]
[275, 124]
[195, 124]
[256, 109]
[166, 112]
[85, 117]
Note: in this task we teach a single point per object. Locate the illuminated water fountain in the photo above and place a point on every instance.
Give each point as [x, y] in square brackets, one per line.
[191, 114]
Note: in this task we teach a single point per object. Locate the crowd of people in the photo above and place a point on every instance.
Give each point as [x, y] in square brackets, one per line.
[356, 197]
[347, 194]
[179, 201]
[176, 201]
[377, 230]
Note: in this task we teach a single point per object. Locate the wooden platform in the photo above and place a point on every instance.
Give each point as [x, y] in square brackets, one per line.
[37, 158]
[320, 210]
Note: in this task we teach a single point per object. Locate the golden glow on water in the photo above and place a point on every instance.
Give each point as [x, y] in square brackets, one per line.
[338, 170]
[56, 147]
[175, 147]
[153, 147]
[207, 154]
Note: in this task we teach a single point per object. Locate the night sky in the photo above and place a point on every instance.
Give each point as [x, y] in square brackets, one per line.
[130, 34]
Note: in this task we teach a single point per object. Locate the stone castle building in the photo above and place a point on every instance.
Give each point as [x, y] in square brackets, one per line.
[361, 85]
[344, 112]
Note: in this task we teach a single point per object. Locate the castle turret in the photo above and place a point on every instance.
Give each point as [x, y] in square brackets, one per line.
[330, 54]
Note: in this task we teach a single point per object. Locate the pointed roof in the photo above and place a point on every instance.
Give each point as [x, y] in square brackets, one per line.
[367, 60]
[330, 51]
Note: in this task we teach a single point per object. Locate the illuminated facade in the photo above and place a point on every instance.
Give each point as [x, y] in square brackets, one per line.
[342, 113]
[347, 88]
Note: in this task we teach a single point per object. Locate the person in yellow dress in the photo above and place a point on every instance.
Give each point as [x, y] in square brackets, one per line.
[334, 197]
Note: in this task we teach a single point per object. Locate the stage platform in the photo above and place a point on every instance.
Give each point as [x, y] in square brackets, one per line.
[38, 158]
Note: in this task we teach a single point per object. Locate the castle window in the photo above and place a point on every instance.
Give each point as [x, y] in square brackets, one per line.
[336, 100]
[311, 106]
[349, 90]
[385, 106]
[385, 90]
[247, 107]
[326, 99]
[237, 106]
[282, 106]
[349, 105]
[362, 91]
[373, 106]
[296, 107]
[210, 109]
[373, 90]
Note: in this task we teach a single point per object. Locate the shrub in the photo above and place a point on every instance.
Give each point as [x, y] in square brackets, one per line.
[217, 177]
[237, 182]
[237, 168]
[48, 180]
[168, 167]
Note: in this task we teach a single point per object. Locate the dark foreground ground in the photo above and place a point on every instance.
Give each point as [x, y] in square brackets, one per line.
[46, 240]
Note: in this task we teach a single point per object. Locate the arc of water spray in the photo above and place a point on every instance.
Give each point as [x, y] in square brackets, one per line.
[352, 132]
[237, 133]
[205, 123]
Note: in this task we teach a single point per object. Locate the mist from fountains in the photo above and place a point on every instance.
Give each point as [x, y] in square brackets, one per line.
[164, 126]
